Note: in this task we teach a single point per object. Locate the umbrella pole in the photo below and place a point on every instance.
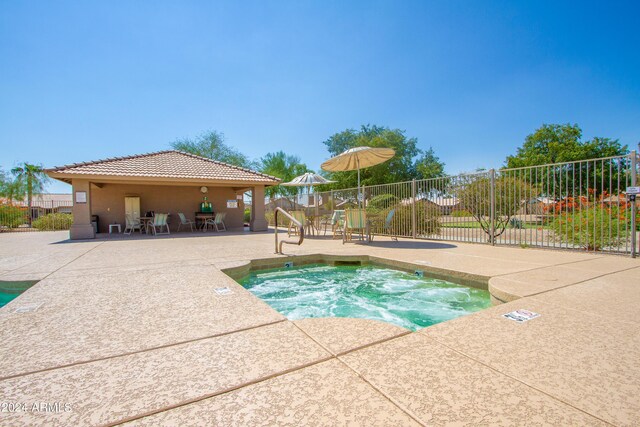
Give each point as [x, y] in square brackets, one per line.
[358, 162]
[358, 187]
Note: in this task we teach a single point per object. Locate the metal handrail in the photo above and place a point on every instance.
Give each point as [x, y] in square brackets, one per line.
[296, 222]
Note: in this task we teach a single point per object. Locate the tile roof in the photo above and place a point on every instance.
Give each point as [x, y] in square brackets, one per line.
[165, 164]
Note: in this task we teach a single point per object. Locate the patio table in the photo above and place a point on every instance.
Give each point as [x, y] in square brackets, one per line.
[145, 222]
[311, 225]
[202, 218]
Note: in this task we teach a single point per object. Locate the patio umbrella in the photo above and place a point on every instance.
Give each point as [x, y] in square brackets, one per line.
[357, 158]
[308, 180]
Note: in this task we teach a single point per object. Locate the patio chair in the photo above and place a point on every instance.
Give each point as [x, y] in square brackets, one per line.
[160, 222]
[131, 224]
[184, 221]
[300, 216]
[386, 227]
[217, 222]
[336, 222]
[355, 220]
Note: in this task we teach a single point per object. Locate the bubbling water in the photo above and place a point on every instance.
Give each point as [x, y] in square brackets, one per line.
[367, 292]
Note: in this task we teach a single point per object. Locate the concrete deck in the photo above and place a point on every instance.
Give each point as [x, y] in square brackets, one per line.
[131, 331]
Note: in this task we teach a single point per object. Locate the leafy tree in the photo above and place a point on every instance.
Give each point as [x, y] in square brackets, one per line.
[32, 178]
[12, 189]
[285, 167]
[211, 145]
[429, 165]
[562, 143]
[400, 168]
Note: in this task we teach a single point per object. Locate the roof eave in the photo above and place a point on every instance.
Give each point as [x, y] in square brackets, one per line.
[150, 180]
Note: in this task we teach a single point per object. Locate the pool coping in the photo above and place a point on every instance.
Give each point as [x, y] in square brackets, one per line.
[469, 280]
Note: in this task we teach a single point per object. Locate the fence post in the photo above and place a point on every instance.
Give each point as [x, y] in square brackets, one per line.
[492, 208]
[634, 160]
[414, 231]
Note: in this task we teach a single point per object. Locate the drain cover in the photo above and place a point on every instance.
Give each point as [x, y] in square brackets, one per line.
[28, 308]
[223, 291]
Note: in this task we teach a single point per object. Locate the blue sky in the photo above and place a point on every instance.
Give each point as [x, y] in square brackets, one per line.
[87, 80]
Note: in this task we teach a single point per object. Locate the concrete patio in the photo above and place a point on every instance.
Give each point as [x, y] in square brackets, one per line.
[130, 331]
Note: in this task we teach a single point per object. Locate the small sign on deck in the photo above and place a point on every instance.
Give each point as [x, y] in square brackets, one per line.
[223, 291]
[521, 315]
[28, 308]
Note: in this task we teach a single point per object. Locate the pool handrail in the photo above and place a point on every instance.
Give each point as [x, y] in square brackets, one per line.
[293, 220]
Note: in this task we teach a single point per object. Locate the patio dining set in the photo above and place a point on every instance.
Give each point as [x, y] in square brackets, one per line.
[344, 223]
[158, 223]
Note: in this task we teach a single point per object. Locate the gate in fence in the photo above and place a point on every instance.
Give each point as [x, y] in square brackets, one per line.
[580, 205]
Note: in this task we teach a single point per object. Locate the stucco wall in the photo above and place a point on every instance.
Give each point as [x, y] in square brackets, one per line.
[108, 202]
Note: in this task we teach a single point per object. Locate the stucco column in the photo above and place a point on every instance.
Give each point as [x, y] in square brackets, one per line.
[81, 227]
[258, 221]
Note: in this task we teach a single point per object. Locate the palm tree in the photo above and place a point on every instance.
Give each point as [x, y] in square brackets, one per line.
[32, 178]
[285, 167]
[12, 190]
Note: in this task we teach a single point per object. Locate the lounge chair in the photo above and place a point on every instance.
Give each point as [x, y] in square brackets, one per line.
[386, 227]
[184, 221]
[217, 222]
[131, 224]
[355, 220]
[160, 222]
[301, 217]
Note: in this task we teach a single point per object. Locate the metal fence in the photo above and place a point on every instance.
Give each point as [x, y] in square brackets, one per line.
[43, 215]
[579, 205]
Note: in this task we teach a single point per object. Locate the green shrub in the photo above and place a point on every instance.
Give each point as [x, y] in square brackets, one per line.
[53, 221]
[427, 219]
[270, 217]
[382, 201]
[247, 215]
[593, 227]
[516, 223]
[459, 213]
[13, 216]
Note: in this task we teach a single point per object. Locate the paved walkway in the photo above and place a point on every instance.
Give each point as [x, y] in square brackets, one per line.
[131, 331]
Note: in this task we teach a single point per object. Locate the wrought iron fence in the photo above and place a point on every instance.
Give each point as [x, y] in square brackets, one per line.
[43, 215]
[579, 205]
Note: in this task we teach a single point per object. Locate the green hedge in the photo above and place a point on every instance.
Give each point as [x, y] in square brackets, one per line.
[427, 219]
[53, 221]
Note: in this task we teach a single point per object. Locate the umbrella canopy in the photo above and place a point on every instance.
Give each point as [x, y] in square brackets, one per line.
[356, 158]
[359, 157]
[306, 180]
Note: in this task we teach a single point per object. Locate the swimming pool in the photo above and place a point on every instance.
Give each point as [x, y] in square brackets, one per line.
[11, 290]
[368, 292]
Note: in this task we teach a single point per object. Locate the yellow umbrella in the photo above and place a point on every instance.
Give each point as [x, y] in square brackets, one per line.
[356, 158]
